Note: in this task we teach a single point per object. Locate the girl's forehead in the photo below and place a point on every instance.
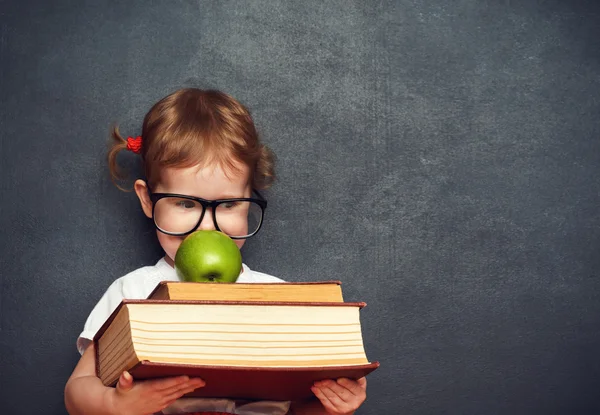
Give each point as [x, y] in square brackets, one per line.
[215, 180]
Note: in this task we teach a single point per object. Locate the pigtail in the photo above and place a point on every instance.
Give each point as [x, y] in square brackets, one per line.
[264, 174]
[116, 145]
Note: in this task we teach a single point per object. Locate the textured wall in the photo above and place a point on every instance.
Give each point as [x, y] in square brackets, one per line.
[440, 158]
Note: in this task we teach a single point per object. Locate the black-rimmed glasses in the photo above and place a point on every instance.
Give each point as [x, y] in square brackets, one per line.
[180, 215]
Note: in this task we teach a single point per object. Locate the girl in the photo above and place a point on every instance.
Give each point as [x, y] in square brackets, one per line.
[203, 145]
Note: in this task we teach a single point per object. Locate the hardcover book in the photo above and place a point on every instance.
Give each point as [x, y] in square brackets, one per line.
[272, 350]
[323, 291]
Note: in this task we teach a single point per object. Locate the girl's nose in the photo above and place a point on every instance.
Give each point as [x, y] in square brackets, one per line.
[207, 223]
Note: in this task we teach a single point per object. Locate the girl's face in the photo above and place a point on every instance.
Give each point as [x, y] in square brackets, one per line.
[206, 182]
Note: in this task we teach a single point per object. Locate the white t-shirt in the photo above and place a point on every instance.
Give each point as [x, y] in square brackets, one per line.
[139, 284]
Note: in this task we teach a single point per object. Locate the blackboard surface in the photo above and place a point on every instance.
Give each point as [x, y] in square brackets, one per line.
[440, 158]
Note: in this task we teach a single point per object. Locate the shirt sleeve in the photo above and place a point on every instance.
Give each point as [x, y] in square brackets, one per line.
[103, 309]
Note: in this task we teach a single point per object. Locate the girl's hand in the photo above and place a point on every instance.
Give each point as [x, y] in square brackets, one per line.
[149, 396]
[341, 397]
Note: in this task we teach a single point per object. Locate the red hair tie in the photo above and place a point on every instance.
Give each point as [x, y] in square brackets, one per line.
[134, 144]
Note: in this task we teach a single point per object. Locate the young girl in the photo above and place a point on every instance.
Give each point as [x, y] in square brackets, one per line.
[199, 148]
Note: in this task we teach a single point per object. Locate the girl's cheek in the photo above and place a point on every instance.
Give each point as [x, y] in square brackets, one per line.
[169, 244]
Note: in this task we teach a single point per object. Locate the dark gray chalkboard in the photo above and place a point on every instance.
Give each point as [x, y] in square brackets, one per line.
[439, 157]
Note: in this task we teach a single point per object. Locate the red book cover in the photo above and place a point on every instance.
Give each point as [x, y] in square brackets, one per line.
[277, 384]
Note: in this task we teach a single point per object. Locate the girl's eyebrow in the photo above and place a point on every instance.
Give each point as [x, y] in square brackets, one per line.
[228, 196]
[223, 196]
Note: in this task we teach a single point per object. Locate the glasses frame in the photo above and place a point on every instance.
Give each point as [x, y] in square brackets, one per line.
[260, 201]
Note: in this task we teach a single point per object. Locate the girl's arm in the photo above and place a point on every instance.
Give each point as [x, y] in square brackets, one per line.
[86, 394]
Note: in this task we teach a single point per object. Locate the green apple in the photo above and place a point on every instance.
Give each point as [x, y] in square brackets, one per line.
[208, 256]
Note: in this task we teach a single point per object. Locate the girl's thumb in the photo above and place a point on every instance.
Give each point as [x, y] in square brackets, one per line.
[125, 382]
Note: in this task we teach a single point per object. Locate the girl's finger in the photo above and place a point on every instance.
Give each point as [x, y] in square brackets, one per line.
[355, 387]
[195, 382]
[324, 399]
[167, 383]
[125, 382]
[192, 383]
[188, 387]
[336, 390]
[333, 398]
[173, 396]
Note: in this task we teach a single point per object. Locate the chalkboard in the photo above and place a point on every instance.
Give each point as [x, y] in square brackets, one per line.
[440, 158]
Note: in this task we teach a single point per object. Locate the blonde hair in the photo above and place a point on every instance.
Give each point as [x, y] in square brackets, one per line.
[192, 126]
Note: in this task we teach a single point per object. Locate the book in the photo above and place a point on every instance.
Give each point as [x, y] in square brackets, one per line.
[242, 349]
[322, 291]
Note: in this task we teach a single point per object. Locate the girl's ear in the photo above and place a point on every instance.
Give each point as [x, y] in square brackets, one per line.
[141, 189]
